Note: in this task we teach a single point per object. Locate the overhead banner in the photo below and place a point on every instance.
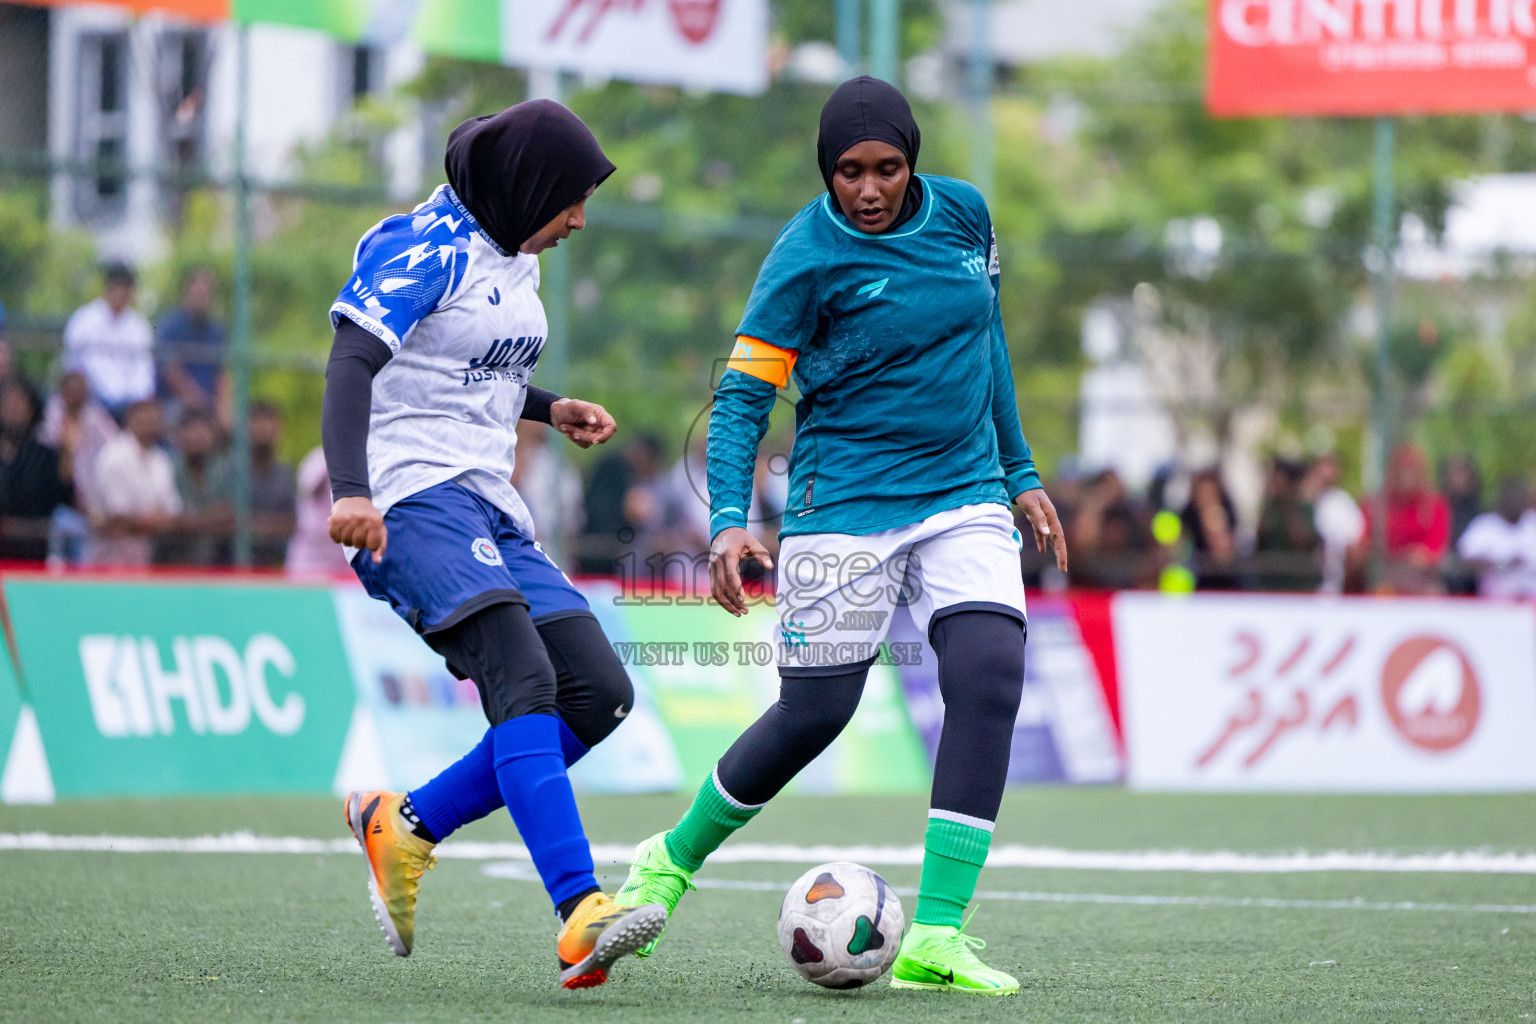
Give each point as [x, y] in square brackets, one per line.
[145, 688]
[720, 45]
[1340, 57]
[1294, 693]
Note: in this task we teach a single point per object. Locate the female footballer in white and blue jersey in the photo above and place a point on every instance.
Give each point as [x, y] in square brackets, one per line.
[438, 331]
[880, 301]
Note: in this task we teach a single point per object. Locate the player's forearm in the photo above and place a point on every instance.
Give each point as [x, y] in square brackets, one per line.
[1018, 462]
[537, 404]
[356, 358]
[736, 426]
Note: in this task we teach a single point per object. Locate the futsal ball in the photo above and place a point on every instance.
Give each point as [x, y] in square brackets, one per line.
[841, 925]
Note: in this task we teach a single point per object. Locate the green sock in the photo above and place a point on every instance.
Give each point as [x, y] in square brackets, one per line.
[953, 853]
[709, 822]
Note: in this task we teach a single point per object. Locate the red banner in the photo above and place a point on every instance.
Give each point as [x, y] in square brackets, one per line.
[1370, 57]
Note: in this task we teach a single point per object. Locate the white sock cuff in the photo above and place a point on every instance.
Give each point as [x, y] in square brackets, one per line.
[720, 788]
[955, 816]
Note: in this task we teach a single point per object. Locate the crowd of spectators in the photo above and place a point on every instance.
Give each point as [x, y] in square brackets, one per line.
[1309, 534]
[129, 462]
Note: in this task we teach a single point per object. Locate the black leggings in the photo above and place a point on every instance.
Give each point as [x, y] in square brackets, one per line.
[981, 678]
[561, 666]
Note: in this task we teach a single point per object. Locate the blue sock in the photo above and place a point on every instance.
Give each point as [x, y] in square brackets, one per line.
[531, 772]
[571, 748]
[467, 790]
[463, 792]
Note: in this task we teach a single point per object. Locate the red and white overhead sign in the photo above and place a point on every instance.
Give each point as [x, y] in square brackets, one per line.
[1370, 57]
[1344, 694]
[700, 44]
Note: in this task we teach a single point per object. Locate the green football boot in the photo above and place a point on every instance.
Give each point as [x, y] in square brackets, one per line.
[654, 878]
[939, 958]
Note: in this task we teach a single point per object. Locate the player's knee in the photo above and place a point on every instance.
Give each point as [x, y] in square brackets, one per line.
[604, 699]
[981, 663]
[816, 709]
[501, 651]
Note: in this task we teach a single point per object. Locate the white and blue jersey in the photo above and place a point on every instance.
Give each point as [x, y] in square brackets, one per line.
[463, 320]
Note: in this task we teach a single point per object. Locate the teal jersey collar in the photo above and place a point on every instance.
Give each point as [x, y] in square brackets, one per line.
[919, 221]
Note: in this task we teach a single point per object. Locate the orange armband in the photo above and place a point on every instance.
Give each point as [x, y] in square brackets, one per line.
[757, 358]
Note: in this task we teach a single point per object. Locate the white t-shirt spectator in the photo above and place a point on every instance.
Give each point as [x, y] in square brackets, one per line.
[1509, 549]
[96, 428]
[116, 352]
[311, 549]
[131, 481]
[1340, 523]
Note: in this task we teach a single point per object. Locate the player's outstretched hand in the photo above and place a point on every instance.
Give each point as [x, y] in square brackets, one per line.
[730, 546]
[585, 423]
[357, 524]
[1044, 524]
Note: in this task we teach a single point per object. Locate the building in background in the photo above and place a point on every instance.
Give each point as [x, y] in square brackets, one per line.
[131, 109]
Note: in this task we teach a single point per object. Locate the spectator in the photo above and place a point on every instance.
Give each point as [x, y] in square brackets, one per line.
[112, 344]
[191, 345]
[35, 479]
[1416, 524]
[273, 498]
[1463, 487]
[79, 427]
[202, 532]
[1286, 539]
[134, 497]
[551, 488]
[1210, 523]
[652, 508]
[311, 550]
[7, 360]
[1112, 543]
[604, 534]
[1339, 523]
[1500, 546]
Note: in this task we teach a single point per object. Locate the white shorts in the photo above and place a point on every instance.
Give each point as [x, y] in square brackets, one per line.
[837, 591]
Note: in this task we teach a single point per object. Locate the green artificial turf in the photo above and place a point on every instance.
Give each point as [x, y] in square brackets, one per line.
[262, 937]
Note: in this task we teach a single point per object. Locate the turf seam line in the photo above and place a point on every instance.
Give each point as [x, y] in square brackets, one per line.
[519, 872]
[1182, 861]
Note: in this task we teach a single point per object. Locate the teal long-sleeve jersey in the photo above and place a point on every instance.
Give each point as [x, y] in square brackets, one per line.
[896, 344]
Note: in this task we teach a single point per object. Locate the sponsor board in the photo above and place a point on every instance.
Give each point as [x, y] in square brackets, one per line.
[1063, 732]
[146, 688]
[700, 44]
[1317, 694]
[1331, 57]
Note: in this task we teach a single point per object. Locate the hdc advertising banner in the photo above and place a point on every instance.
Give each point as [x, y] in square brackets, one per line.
[1293, 693]
[1342, 57]
[146, 688]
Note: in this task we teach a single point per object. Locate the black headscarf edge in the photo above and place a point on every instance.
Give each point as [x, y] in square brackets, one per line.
[516, 170]
[868, 109]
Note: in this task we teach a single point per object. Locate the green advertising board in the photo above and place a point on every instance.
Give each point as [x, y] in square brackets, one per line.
[149, 687]
[712, 675]
[10, 702]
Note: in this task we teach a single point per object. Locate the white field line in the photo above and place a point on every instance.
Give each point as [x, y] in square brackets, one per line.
[1482, 862]
[521, 872]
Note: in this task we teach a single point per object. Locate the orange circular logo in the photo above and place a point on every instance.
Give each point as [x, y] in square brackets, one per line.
[1430, 693]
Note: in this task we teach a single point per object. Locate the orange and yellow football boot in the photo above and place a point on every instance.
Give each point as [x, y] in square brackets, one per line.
[396, 859]
[599, 932]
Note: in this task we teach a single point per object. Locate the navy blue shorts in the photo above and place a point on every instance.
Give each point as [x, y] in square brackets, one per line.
[452, 553]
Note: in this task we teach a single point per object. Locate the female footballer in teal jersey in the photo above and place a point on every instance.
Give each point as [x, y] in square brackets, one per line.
[881, 299]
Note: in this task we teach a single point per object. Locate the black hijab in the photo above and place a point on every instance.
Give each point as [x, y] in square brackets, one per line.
[864, 109]
[516, 170]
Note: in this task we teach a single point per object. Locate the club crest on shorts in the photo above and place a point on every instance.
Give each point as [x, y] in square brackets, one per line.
[485, 551]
